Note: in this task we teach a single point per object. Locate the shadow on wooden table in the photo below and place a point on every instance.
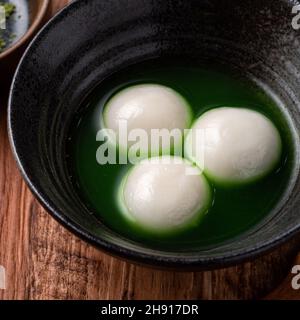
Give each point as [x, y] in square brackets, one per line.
[251, 280]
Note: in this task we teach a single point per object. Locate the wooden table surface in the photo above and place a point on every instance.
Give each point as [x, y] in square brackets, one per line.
[45, 261]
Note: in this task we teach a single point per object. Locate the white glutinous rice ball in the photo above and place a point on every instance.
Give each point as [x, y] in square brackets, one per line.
[234, 145]
[146, 107]
[164, 194]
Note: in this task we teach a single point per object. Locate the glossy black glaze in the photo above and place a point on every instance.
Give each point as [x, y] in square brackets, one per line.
[91, 39]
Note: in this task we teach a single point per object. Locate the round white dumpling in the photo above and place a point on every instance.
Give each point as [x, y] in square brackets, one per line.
[147, 107]
[234, 145]
[164, 194]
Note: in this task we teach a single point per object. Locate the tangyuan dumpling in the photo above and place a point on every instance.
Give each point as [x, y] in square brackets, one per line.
[164, 194]
[148, 107]
[234, 145]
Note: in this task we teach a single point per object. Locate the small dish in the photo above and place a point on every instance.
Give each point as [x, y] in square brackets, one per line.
[34, 13]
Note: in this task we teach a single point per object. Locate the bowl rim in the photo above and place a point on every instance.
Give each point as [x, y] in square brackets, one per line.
[183, 263]
[30, 31]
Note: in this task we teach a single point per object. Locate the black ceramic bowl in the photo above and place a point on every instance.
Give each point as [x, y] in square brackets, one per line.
[92, 39]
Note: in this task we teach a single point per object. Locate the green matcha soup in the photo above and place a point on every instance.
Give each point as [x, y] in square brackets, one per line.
[230, 209]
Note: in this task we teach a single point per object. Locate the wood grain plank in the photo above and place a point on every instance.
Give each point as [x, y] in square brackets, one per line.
[45, 261]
